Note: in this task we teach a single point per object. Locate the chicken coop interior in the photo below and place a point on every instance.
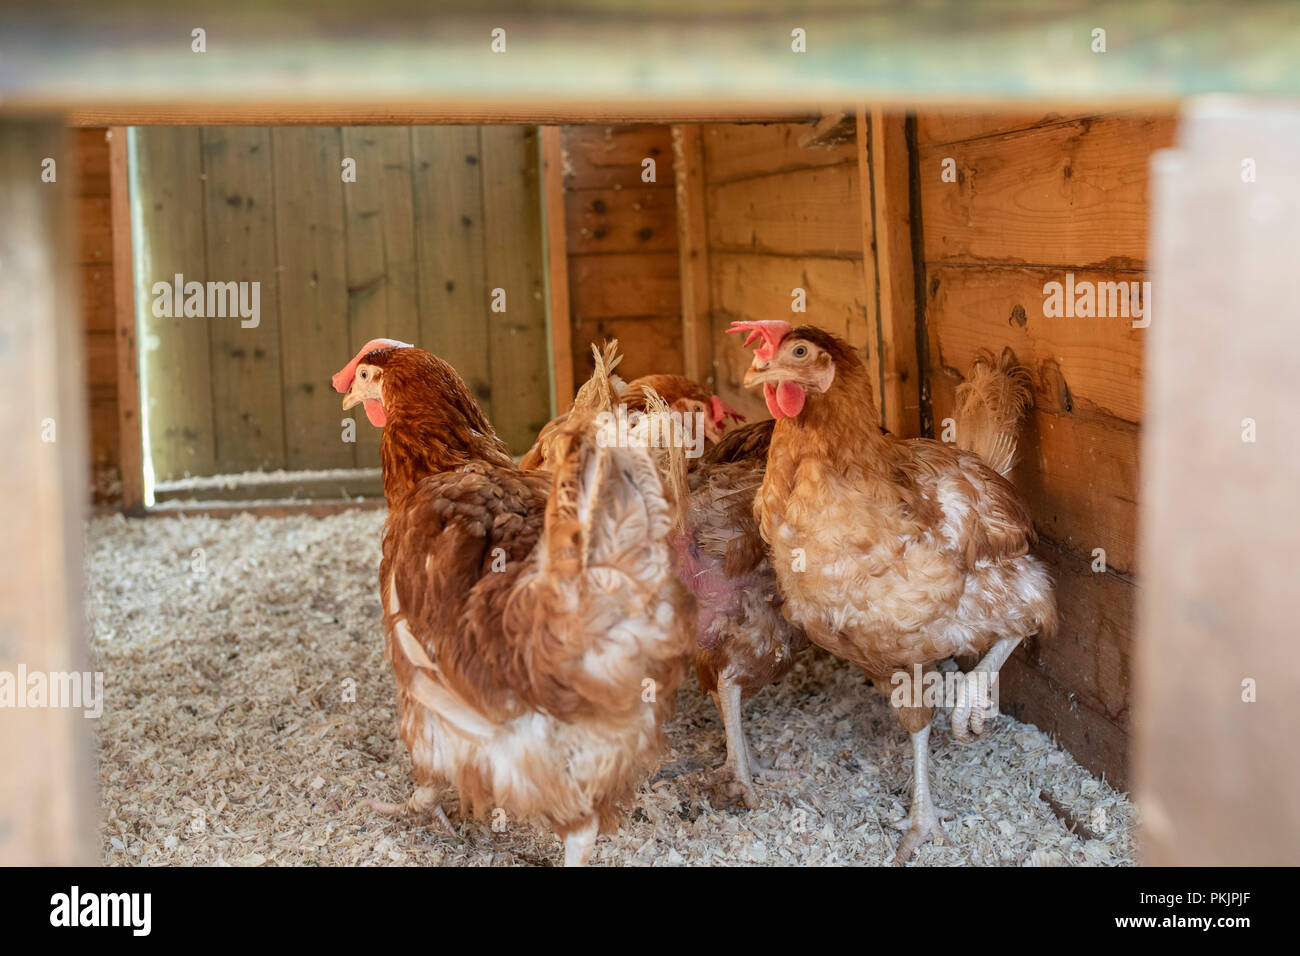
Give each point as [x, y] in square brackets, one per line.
[736, 219]
[236, 512]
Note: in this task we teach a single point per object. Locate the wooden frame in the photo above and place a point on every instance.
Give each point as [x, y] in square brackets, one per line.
[130, 428]
[559, 313]
[693, 253]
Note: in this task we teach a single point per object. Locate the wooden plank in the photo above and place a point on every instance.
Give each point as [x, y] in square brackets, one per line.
[1074, 194]
[97, 296]
[606, 287]
[559, 312]
[937, 127]
[512, 213]
[1218, 699]
[1099, 360]
[1078, 474]
[105, 434]
[239, 222]
[649, 345]
[383, 289]
[100, 358]
[167, 185]
[313, 293]
[693, 256]
[447, 175]
[636, 219]
[725, 55]
[891, 237]
[741, 150]
[48, 810]
[91, 152]
[612, 156]
[804, 212]
[94, 230]
[130, 430]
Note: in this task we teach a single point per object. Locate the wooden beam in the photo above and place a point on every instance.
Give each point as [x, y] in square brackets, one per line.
[132, 62]
[890, 210]
[693, 253]
[559, 314]
[1217, 699]
[130, 431]
[47, 803]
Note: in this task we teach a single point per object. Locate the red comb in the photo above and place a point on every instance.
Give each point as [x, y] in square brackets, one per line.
[719, 410]
[342, 379]
[771, 331]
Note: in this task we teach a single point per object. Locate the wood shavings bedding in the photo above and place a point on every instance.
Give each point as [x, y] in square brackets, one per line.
[232, 734]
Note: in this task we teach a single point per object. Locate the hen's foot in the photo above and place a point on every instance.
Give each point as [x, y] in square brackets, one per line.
[921, 825]
[730, 788]
[765, 771]
[424, 800]
[974, 705]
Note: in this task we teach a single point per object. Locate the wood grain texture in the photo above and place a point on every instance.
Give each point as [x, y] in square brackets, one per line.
[453, 292]
[812, 212]
[383, 292]
[175, 356]
[887, 227]
[1072, 194]
[239, 223]
[310, 253]
[608, 287]
[130, 430]
[636, 219]
[741, 150]
[698, 346]
[937, 127]
[650, 345]
[559, 309]
[512, 214]
[1098, 360]
[604, 157]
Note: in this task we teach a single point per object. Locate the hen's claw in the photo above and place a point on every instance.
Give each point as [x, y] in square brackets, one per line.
[974, 705]
[424, 800]
[921, 824]
[729, 788]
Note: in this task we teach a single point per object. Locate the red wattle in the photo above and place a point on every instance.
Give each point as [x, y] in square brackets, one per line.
[769, 396]
[791, 398]
[375, 412]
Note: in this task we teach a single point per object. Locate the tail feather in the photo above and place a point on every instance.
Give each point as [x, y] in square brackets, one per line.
[991, 405]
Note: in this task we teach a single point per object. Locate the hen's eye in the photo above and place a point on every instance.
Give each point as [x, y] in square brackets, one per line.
[363, 374]
[799, 351]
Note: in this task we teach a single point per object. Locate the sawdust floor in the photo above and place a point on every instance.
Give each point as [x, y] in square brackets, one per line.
[226, 738]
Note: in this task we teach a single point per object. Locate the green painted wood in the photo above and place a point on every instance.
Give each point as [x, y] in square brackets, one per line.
[239, 224]
[404, 54]
[175, 368]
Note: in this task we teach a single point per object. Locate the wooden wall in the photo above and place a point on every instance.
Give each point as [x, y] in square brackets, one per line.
[436, 218]
[1038, 196]
[781, 217]
[88, 172]
[621, 236]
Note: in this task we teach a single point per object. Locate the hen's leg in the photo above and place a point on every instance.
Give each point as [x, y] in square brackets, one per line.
[579, 843]
[425, 799]
[737, 782]
[975, 691]
[922, 820]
